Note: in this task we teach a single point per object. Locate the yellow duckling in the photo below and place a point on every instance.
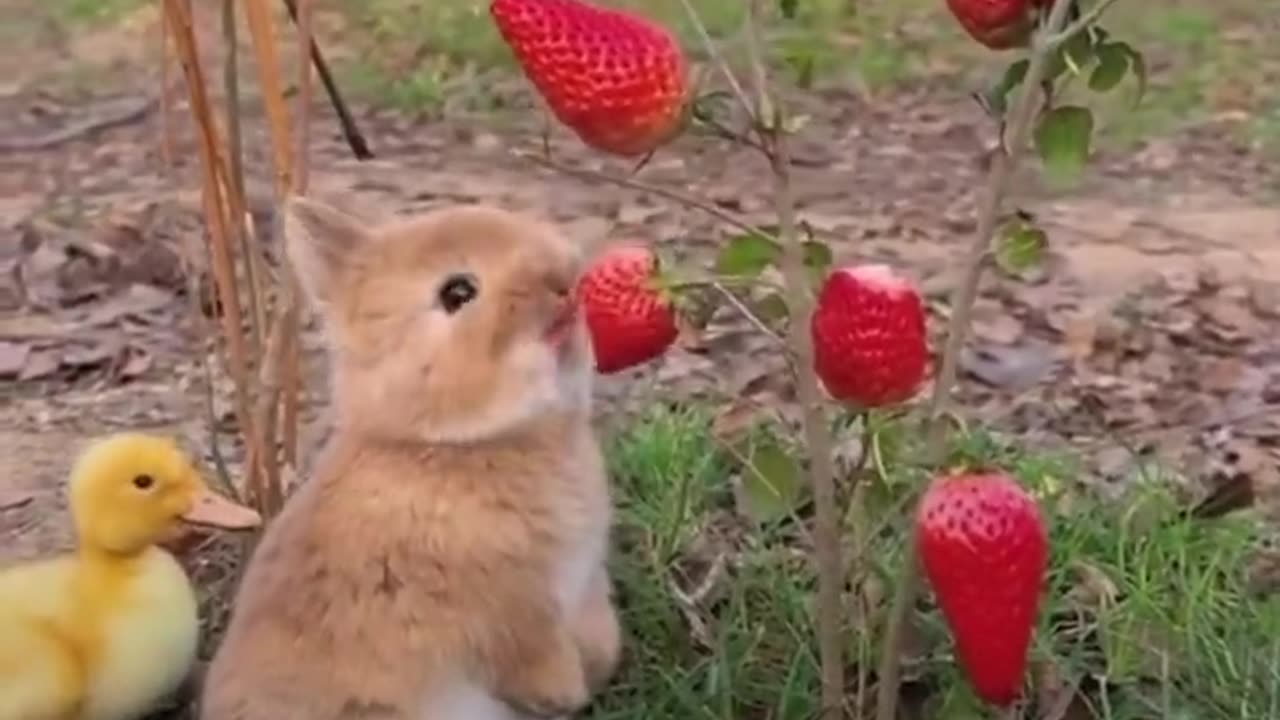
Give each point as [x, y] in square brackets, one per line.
[106, 632]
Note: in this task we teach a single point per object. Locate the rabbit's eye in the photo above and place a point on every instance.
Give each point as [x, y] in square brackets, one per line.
[457, 290]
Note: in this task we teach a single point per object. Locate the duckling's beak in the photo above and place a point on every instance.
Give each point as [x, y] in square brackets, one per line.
[213, 510]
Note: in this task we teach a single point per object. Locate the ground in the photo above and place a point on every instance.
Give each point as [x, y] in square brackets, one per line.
[1152, 327]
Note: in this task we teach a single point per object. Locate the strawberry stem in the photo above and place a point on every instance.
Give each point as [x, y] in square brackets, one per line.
[1046, 42]
[772, 129]
[717, 57]
[660, 190]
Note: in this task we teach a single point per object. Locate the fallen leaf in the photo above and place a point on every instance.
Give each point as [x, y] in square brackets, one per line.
[13, 358]
[88, 355]
[1230, 321]
[38, 272]
[1158, 367]
[135, 301]
[12, 499]
[1001, 329]
[12, 294]
[735, 420]
[40, 364]
[1265, 298]
[1010, 367]
[1079, 333]
[135, 362]
[1222, 375]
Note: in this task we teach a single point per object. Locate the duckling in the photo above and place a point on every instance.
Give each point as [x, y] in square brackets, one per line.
[105, 632]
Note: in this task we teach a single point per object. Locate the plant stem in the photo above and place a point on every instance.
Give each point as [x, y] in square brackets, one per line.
[235, 162]
[1085, 20]
[166, 97]
[747, 313]
[215, 201]
[1044, 43]
[858, 570]
[717, 57]
[669, 193]
[1002, 167]
[818, 440]
[817, 434]
[292, 380]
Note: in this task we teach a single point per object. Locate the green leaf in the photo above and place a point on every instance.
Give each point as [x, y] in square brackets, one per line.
[1078, 51]
[789, 8]
[1138, 65]
[1021, 247]
[803, 62]
[747, 255]
[771, 308]
[997, 98]
[1113, 63]
[771, 482]
[817, 260]
[1062, 138]
[817, 255]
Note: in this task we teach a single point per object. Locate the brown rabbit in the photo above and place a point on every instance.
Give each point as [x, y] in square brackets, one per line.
[446, 560]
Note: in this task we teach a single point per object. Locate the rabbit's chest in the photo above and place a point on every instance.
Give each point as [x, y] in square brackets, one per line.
[575, 567]
[582, 555]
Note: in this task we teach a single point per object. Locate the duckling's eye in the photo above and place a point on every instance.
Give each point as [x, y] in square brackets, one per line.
[457, 290]
[143, 482]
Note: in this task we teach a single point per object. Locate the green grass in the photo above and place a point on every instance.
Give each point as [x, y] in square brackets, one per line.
[1179, 638]
[85, 13]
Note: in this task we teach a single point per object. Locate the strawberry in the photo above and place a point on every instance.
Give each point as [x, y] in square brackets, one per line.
[984, 548]
[997, 24]
[869, 345]
[617, 79]
[630, 322]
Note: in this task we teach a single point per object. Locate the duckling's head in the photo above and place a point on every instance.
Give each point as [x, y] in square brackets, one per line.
[130, 490]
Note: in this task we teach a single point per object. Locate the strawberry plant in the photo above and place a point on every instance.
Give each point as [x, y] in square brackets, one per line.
[854, 336]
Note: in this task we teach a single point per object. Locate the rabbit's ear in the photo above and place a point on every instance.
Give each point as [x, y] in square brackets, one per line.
[323, 243]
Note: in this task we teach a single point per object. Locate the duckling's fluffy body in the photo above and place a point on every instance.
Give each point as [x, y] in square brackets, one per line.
[107, 631]
[132, 621]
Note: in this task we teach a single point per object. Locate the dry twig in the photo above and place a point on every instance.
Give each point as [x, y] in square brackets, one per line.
[669, 193]
[355, 139]
[216, 201]
[279, 379]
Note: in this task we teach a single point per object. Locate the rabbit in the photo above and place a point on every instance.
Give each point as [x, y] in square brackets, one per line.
[447, 558]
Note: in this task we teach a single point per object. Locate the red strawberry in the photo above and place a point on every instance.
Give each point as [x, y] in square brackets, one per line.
[629, 320]
[997, 24]
[617, 79]
[984, 548]
[869, 345]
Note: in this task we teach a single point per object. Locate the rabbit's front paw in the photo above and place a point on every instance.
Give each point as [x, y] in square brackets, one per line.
[598, 634]
[551, 685]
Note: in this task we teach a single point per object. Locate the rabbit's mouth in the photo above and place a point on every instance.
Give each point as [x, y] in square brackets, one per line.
[562, 322]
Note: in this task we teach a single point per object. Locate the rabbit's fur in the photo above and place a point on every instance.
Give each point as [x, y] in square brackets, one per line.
[446, 561]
